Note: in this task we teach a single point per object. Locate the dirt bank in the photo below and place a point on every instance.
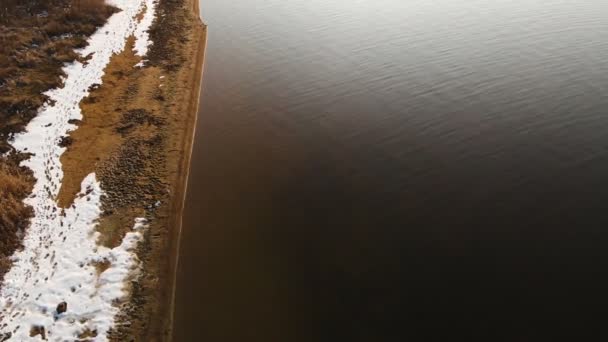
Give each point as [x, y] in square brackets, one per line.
[136, 135]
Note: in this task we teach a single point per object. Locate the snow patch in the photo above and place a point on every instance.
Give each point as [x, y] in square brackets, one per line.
[142, 37]
[57, 262]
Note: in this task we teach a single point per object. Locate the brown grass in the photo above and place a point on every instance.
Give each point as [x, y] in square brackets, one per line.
[15, 184]
[87, 335]
[37, 37]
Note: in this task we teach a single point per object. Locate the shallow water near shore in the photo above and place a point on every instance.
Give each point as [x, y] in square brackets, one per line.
[398, 170]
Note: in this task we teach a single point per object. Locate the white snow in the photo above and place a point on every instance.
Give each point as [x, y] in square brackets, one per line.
[60, 249]
[142, 38]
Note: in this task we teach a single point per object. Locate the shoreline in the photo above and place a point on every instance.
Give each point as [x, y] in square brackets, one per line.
[150, 311]
[186, 165]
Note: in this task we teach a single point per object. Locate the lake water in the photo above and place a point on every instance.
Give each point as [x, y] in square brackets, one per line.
[399, 170]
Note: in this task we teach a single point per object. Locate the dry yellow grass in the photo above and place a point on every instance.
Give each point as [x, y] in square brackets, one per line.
[15, 184]
[37, 37]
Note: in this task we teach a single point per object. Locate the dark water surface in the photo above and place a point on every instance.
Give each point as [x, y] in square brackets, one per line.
[399, 170]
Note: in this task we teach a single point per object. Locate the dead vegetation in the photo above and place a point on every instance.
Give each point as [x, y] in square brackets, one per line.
[15, 184]
[37, 38]
[171, 30]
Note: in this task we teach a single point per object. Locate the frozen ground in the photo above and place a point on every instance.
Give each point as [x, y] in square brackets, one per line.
[60, 250]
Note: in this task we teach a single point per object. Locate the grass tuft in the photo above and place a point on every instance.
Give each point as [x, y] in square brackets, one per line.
[15, 184]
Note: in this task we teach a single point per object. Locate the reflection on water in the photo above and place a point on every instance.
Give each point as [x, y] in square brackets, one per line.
[393, 169]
